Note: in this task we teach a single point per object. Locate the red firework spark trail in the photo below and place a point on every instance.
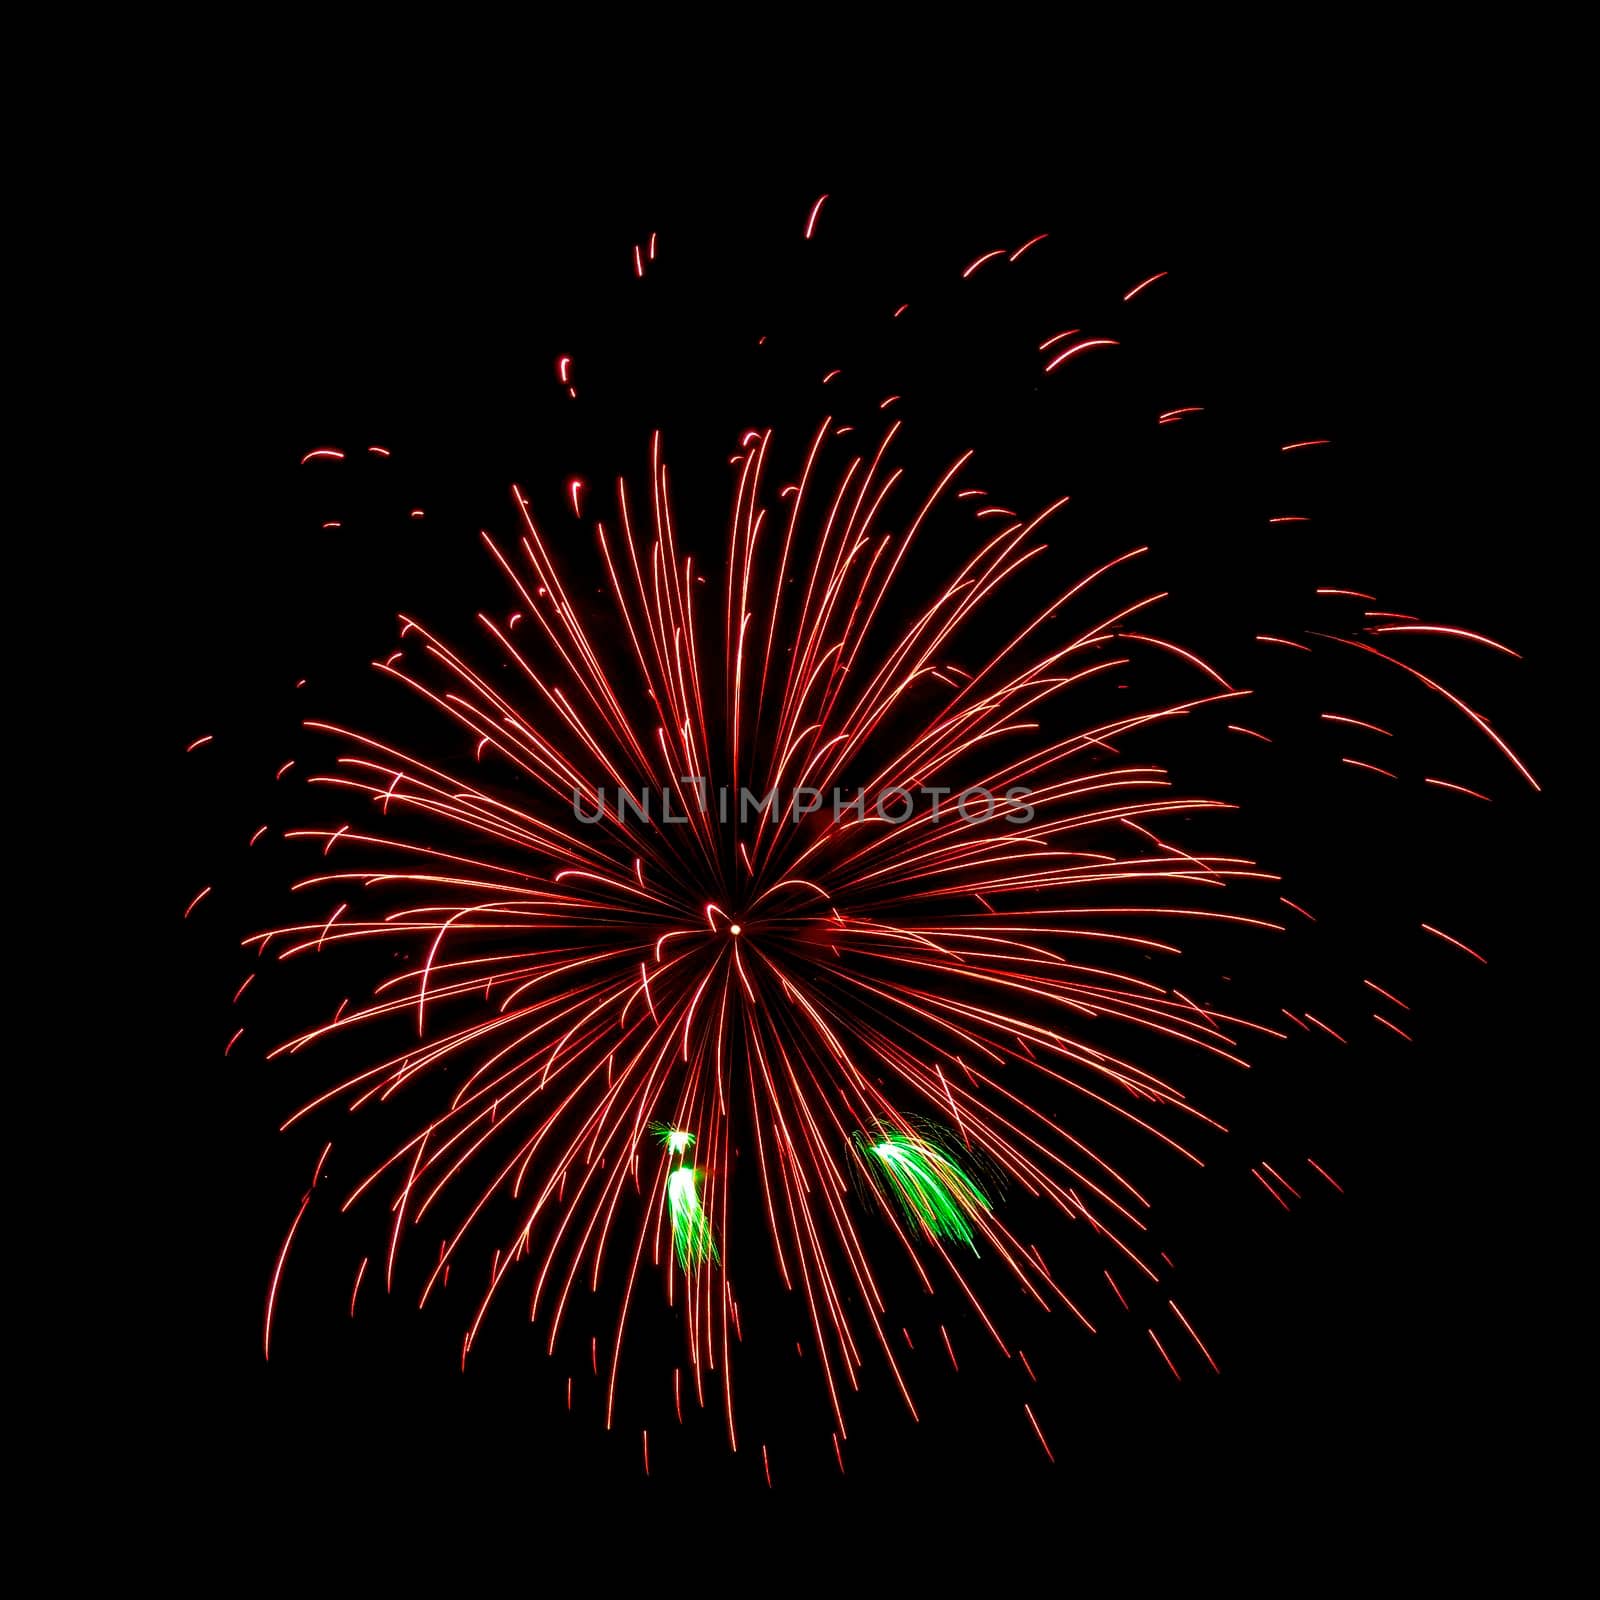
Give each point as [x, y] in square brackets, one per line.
[777, 982]
[1040, 1432]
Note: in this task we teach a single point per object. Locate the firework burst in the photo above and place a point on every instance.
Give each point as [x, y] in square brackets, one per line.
[774, 975]
[799, 868]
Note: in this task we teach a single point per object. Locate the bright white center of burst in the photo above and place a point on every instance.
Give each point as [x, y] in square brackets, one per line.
[735, 930]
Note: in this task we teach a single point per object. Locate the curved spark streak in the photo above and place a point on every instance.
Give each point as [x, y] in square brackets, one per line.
[1072, 350]
[1153, 278]
[1453, 633]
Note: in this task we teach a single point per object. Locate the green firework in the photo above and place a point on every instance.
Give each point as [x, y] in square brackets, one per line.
[677, 1140]
[691, 1227]
[929, 1187]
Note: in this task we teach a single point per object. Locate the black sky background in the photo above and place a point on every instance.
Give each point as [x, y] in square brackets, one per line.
[1364, 1339]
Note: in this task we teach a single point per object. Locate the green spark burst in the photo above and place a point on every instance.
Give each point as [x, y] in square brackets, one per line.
[691, 1227]
[930, 1189]
[677, 1140]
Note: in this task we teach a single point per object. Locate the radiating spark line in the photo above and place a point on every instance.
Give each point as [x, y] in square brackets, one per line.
[1448, 939]
[1043, 1442]
[1193, 1335]
[277, 1276]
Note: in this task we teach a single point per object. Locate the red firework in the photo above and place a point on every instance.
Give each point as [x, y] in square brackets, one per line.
[793, 973]
[825, 990]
